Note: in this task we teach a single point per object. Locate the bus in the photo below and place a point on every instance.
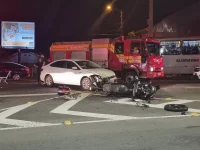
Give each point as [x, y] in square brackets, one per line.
[180, 55]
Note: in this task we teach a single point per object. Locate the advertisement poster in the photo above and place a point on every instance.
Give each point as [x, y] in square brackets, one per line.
[20, 35]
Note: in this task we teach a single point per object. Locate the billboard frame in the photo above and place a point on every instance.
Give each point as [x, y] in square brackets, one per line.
[17, 47]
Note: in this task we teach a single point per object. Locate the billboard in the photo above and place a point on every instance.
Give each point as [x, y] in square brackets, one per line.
[19, 35]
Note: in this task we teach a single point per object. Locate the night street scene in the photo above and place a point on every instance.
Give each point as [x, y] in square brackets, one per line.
[100, 75]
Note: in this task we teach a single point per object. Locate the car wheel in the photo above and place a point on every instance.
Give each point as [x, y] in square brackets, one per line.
[86, 84]
[16, 77]
[49, 81]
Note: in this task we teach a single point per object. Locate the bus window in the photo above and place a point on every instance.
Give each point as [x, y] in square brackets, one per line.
[135, 48]
[191, 47]
[119, 48]
[170, 48]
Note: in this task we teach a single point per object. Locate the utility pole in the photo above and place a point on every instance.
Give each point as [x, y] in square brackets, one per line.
[150, 20]
[121, 23]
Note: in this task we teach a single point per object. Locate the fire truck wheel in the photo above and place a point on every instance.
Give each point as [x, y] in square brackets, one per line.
[86, 84]
[130, 76]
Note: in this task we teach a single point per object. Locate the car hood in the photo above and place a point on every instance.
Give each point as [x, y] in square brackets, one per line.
[101, 71]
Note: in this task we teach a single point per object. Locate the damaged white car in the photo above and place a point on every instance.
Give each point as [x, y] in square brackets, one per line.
[78, 72]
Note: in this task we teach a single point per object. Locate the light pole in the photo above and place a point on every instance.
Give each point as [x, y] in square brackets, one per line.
[150, 20]
[109, 7]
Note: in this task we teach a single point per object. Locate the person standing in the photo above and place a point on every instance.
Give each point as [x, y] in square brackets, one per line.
[39, 66]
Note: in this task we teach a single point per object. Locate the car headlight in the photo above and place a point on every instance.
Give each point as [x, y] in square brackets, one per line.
[98, 78]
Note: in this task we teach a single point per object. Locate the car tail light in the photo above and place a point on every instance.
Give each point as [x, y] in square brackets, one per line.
[26, 69]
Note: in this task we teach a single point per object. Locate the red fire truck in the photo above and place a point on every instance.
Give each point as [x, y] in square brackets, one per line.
[126, 57]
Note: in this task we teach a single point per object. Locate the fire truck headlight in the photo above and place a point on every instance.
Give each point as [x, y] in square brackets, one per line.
[151, 69]
[161, 68]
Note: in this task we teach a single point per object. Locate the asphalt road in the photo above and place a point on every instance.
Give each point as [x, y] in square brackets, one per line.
[34, 117]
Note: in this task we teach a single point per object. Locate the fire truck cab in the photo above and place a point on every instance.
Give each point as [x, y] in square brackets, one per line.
[136, 57]
[126, 57]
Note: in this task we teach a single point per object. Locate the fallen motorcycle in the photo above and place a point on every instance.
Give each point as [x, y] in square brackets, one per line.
[139, 88]
[143, 89]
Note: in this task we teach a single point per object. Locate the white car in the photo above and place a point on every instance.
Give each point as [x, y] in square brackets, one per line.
[73, 72]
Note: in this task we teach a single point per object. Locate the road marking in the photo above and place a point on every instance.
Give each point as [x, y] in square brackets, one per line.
[67, 105]
[128, 101]
[25, 95]
[177, 99]
[27, 124]
[13, 110]
[135, 118]
[64, 109]
[194, 110]
[21, 123]
[97, 115]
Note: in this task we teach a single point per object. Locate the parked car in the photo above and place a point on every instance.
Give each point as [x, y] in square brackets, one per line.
[72, 72]
[17, 71]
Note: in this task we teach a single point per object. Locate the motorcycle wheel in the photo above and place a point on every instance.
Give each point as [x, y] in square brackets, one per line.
[176, 108]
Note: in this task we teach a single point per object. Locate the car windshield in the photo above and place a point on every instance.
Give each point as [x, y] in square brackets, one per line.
[153, 48]
[87, 64]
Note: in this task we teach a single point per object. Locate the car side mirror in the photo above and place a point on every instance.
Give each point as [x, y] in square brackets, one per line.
[74, 68]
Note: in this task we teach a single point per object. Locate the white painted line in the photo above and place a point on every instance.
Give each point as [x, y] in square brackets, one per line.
[178, 99]
[97, 115]
[135, 118]
[192, 87]
[161, 106]
[67, 105]
[27, 124]
[6, 108]
[13, 110]
[11, 128]
[21, 123]
[14, 128]
[64, 109]
[194, 110]
[95, 121]
[173, 102]
[25, 95]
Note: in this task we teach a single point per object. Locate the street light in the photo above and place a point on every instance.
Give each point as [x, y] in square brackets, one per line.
[109, 7]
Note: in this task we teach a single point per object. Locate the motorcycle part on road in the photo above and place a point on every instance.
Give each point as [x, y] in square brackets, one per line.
[176, 107]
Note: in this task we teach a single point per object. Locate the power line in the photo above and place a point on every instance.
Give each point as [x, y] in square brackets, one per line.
[132, 10]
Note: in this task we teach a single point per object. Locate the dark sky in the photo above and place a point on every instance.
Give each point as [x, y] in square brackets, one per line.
[73, 20]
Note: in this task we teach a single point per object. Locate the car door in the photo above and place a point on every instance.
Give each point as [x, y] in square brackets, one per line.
[73, 73]
[58, 72]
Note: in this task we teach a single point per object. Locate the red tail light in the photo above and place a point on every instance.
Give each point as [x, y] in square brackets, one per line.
[26, 69]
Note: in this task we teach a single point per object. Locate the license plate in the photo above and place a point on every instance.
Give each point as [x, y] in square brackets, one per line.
[159, 74]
